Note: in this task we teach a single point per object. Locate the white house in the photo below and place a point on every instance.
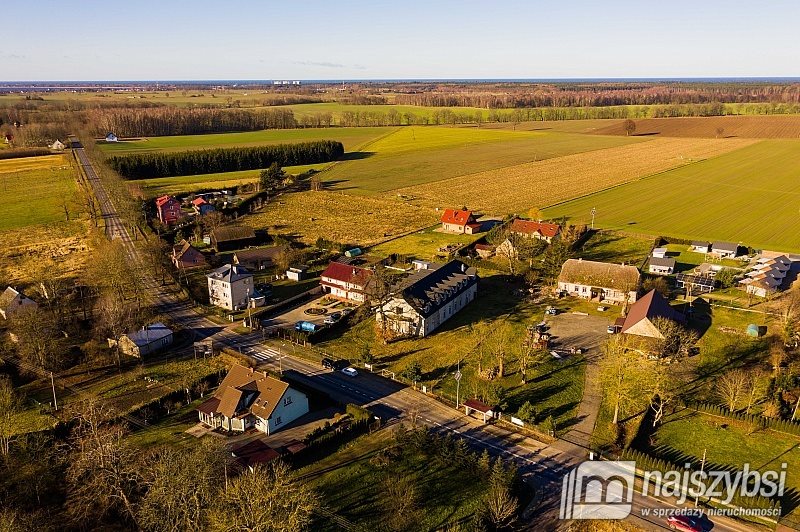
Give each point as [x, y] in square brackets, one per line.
[659, 253]
[700, 246]
[111, 138]
[599, 281]
[768, 275]
[230, 287]
[661, 265]
[725, 250]
[12, 300]
[57, 145]
[346, 282]
[428, 298]
[247, 398]
[148, 340]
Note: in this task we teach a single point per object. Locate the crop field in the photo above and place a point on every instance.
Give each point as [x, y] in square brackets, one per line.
[751, 195]
[195, 183]
[423, 244]
[341, 218]
[752, 126]
[351, 137]
[542, 183]
[423, 154]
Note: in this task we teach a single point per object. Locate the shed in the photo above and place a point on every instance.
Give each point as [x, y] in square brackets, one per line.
[148, 340]
[297, 273]
[659, 253]
[355, 252]
[756, 331]
[473, 405]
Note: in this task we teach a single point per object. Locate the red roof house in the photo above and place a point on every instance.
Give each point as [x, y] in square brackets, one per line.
[460, 221]
[346, 281]
[541, 230]
[168, 209]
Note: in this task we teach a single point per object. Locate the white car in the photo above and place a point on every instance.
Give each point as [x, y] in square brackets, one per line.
[350, 372]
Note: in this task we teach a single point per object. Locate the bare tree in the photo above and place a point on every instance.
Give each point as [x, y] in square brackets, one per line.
[777, 356]
[630, 127]
[501, 505]
[622, 374]
[731, 386]
[720, 131]
[400, 502]
[9, 406]
[755, 387]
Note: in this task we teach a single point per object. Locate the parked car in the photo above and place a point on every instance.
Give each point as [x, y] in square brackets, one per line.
[332, 318]
[306, 326]
[611, 329]
[350, 372]
[685, 523]
[347, 312]
[551, 311]
[328, 363]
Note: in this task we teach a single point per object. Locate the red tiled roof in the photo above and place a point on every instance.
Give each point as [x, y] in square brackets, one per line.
[347, 274]
[651, 306]
[255, 452]
[209, 406]
[457, 217]
[484, 247]
[199, 201]
[163, 199]
[529, 227]
[477, 405]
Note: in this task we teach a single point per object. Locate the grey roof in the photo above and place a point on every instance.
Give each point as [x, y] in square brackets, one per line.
[429, 290]
[260, 254]
[699, 243]
[725, 246]
[148, 335]
[231, 233]
[665, 262]
[230, 273]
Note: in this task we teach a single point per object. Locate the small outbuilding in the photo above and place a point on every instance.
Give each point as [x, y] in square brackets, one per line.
[661, 266]
[150, 339]
[486, 411]
[110, 137]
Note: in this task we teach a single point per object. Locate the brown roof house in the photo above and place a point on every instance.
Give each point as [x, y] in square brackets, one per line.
[12, 300]
[541, 230]
[187, 257]
[460, 221]
[230, 237]
[642, 315]
[247, 398]
[345, 281]
[599, 281]
[258, 259]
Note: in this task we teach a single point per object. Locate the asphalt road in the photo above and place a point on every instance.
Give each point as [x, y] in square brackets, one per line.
[543, 465]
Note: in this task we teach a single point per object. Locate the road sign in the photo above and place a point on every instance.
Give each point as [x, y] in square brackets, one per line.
[458, 375]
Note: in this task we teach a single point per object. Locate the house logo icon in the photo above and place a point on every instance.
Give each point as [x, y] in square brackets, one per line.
[598, 490]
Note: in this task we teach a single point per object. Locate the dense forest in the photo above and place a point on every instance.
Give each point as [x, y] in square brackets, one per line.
[150, 165]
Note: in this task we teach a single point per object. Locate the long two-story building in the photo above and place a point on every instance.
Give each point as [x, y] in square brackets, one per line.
[346, 282]
[428, 298]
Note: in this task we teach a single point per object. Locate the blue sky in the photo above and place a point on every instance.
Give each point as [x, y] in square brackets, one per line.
[341, 39]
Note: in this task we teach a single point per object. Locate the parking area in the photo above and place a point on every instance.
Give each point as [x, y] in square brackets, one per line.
[289, 318]
[576, 330]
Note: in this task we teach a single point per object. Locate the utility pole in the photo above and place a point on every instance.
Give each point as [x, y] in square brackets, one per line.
[53, 385]
[458, 382]
[702, 466]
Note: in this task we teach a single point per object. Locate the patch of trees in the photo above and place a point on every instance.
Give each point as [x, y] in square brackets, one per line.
[145, 122]
[150, 165]
[23, 152]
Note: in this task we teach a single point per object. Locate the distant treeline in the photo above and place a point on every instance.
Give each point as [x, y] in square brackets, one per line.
[150, 165]
[510, 96]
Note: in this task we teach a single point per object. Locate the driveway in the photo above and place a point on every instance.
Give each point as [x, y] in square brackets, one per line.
[290, 317]
[587, 332]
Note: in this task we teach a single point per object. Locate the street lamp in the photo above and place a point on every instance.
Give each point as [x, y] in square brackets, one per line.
[458, 382]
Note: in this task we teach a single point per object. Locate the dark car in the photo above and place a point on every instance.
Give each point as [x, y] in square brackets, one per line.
[328, 363]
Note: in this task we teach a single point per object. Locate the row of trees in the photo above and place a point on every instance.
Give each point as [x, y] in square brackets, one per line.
[150, 165]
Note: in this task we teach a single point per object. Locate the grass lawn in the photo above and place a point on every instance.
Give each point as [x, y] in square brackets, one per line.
[728, 197]
[685, 435]
[33, 190]
[351, 137]
[416, 155]
[350, 485]
[423, 244]
[554, 387]
[170, 430]
[356, 220]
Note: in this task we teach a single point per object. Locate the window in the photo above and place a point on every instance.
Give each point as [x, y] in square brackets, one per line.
[287, 400]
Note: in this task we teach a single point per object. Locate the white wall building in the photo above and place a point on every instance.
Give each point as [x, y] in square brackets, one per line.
[599, 281]
[230, 286]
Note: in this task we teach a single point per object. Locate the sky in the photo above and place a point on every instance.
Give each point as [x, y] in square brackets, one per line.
[412, 39]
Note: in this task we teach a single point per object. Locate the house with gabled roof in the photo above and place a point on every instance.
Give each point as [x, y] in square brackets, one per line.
[725, 250]
[247, 398]
[700, 246]
[231, 237]
[149, 339]
[12, 300]
[599, 281]
[231, 287]
[202, 207]
[110, 137]
[187, 257]
[346, 281]
[643, 313]
[168, 209]
[460, 221]
[661, 265]
[258, 259]
[531, 229]
[768, 275]
[428, 298]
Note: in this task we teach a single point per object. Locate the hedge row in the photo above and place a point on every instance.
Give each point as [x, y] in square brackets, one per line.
[23, 152]
[649, 463]
[152, 165]
[779, 425]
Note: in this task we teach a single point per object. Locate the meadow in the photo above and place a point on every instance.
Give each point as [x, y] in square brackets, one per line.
[542, 183]
[750, 126]
[351, 137]
[341, 218]
[750, 195]
[423, 154]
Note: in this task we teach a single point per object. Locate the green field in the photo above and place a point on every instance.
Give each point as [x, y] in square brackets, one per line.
[751, 195]
[422, 154]
[33, 189]
[351, 137]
